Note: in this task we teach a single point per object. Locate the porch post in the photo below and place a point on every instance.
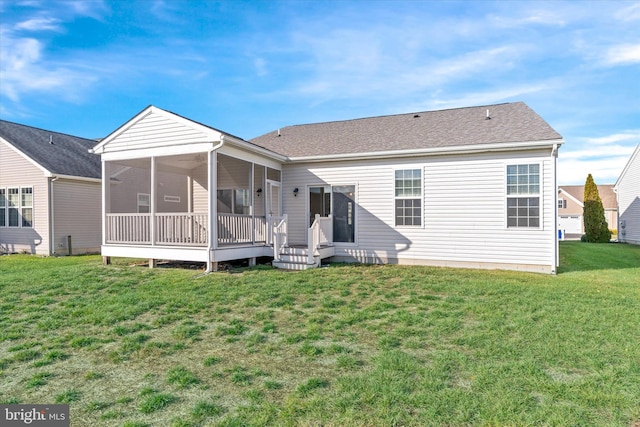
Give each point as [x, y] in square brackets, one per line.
[152, 203]
[253, 202]
[106, 198]
[213, 199]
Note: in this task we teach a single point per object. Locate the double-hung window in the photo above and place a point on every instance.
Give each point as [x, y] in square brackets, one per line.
[3, 207]
[16, 207]
[26, 206]
[408, 197]
[144, 203]
[523, 196]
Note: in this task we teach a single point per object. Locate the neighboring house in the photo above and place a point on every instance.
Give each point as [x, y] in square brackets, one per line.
[571, 207]
[468, 187]
[50, 192]
[628, 191]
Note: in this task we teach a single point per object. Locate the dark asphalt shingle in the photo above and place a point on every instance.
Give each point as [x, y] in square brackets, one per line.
[510, 122]
[67, 155]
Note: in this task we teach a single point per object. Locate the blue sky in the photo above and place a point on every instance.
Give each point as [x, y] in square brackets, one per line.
[248, 67]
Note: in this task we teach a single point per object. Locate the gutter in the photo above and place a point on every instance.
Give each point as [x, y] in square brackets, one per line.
[76, 178]
[212, 234]
[52, 232]
[429, 151]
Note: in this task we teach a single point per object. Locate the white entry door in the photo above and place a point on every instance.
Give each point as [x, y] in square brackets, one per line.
[274, 201]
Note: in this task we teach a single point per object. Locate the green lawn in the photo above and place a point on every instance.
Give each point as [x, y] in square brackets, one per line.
[337, 346]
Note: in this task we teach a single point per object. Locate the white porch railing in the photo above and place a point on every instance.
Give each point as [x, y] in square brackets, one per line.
[188, 229]
[320, 233]
[184, 229]
[234, 228]
[130, 228]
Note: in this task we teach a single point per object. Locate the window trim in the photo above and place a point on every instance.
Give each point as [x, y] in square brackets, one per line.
[20, 207]
[539, 195]
[421, 197]
[562, 203]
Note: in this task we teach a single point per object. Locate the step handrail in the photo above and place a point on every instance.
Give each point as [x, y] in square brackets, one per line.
[279, 237]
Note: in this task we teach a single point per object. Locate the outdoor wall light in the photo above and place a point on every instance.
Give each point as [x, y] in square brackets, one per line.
[295, 192]
[259, 191]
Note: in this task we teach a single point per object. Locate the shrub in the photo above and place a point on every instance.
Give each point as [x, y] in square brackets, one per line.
[595, 225]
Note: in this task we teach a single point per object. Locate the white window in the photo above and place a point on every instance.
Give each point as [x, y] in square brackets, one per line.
[408, 197]
[144, 203]
[3, 207]
[26, 206]
[16, 207]
[562, 204]
[523, 196]
[234, 201]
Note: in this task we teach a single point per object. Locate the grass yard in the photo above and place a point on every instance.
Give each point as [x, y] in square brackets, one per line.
[337, 346]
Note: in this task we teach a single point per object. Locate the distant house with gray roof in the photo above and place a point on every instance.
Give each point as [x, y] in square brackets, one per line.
[50, 200]
[467, 187]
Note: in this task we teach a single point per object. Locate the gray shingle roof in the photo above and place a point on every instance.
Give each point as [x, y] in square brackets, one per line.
[510, 122]
[67, 155]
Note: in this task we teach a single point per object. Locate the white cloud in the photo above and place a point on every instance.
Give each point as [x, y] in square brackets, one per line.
[604, 171]
[623, 54]
[39, 24]
[628, 14]
[23, 70]
[632, 135]
[605, 159]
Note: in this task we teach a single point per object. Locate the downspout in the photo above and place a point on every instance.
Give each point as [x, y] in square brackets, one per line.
[52, 234]
[213, 222]
[556, 240]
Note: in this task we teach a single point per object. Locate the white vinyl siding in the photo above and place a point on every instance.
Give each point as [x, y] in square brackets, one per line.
[463, 210]
[18, 172]
[156, 130]
[628, 188]
[76, 213]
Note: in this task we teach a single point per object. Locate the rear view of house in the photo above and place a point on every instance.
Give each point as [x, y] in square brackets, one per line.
[49, 192]
[470, 187]
[628, 190]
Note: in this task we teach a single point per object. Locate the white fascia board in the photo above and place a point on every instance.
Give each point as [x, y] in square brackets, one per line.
[76, 178]
[44, 170]
[201, 147]
[461, 149]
